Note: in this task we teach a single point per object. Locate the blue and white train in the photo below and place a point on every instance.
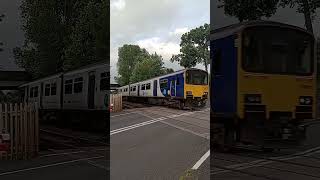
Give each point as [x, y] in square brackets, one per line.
[187, 87]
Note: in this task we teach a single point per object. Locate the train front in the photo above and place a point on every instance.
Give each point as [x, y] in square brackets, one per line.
[196, 87]
[276, 84]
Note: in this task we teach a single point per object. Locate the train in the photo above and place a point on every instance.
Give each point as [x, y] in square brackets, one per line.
[263, 84]
[184, 88]
[71, 94]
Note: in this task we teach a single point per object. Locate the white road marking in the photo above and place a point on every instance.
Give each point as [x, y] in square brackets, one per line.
[261, 162]
[123, 114]
[187, 130]
[97, 165]
[58, 154]
[116, 131]
[67, 153]
[201, 160]
[49, 165]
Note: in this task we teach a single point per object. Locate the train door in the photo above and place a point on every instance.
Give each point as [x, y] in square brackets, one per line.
[138, 89]
[91, 90]
[155, 87]
[41, 94]
[173, 88]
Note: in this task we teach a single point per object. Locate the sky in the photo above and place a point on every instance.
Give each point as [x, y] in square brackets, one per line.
[10, 32]
[156, 25]
[285, 15]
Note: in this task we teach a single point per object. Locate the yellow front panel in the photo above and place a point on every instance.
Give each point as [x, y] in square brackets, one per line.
[197, 90]
[278, 92]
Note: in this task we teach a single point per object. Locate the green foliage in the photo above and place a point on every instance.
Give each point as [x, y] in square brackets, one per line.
[149, 67]
[88, 40]
[136, 64]
[307, 7]
[129, 56]
[10, 97]
[249, 9]
[194, 48]
[62, 35]
[256, 9]
[1, 44]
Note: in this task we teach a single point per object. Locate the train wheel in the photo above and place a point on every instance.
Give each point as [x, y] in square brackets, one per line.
[181, 105]
[229, 139]
[224, 138]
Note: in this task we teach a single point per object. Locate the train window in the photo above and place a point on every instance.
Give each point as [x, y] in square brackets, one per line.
[53, 89]
[36, 90]
[143, 87]
[31, 92]
[104, 81]
[148, 86]
[78, 85]
[217, 58]
[47, 90]
[68, 86]
[134, 88]
[164, 83]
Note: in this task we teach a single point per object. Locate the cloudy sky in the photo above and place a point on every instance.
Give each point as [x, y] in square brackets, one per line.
[284, 15]
[156, 25]
[10, 32]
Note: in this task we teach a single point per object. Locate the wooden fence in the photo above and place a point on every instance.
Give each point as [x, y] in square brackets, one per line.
[115, 102]
[21, 122]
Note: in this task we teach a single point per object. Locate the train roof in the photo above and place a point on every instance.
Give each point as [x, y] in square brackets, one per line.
[79, 70]
[235, 28]
[176, 72]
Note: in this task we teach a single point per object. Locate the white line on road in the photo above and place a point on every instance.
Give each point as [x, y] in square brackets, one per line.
[116, 131]
[49, 165]
[201, 160]
[262, 162]
[135, 126]
[123, 114]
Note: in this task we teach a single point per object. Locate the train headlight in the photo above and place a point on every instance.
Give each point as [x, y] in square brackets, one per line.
[305, 100]
[189, 92]
[205, 93]
[252, 98]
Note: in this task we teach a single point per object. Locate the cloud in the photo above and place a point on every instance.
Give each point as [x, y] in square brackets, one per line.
[117, 5]
[179, 31]
[155, 25]
[156, 44]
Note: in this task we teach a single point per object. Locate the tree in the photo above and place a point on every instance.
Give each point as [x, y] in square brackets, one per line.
[249, 9]
[149, 67]
[62, 35]
[89, 40]
[128, 57]
[307, 7]
[194, 48]
[1, 44]
[256, 9]
[167, 71]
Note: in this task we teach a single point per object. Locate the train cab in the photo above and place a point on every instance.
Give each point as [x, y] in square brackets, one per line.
[263, 82]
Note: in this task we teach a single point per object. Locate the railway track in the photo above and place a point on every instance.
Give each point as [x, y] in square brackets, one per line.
[132, 105]
[260, 160]
[50, 139]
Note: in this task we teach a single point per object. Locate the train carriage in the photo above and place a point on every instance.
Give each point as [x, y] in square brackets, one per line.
[78, 98]
[263, 84]
[188, 87]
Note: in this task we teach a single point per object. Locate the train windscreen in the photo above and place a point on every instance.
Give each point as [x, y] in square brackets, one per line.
[196, 77]
[277, 50]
